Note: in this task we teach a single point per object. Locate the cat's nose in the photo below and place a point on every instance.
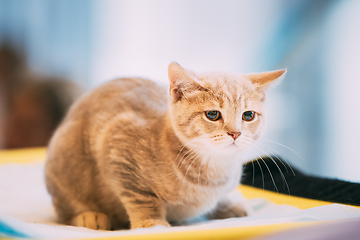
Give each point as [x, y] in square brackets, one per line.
[234, 135]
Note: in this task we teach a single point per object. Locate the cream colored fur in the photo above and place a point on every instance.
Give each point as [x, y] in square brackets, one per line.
[128, 152]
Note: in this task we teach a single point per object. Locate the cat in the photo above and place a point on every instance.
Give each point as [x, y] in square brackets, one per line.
[128, 154]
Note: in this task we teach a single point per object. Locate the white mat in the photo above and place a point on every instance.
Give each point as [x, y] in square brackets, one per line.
[26, 210]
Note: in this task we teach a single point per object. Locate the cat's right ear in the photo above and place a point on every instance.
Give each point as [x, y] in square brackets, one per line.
[263, 80]
[180, 81]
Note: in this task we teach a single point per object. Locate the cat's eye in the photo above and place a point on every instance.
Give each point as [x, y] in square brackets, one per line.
[213, 115]
[248, 116]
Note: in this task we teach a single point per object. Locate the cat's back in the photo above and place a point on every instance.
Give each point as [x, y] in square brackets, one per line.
[124, 101]
[137, 95]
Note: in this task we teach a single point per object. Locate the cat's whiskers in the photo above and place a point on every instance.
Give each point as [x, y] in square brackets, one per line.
[208, 170]
[271, 176]
[281, 159]
[253, 173]
[281, 173]
[200, 168]
[274, 153]
[190, 142]
[218, 140]
[194, 151]
[186, 156]
[262, 174]
[217, 137]
[222, 141]
[197, 152]
[194, 159]
[282, 145]
[272, 150]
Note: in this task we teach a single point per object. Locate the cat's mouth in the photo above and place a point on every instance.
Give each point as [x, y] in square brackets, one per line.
[227, 146]
[231, 147]
[235, 146]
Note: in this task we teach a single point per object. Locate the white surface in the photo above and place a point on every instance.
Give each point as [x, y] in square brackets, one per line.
[26, 206]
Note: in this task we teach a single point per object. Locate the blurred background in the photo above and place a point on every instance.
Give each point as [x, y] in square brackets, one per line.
[52, 50]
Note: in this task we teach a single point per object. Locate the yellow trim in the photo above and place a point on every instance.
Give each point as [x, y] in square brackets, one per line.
[22, 156]
[278, 198]
[237, 233]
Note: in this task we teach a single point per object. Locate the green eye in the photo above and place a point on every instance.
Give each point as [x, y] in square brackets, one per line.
[213, 115]
[248, 116]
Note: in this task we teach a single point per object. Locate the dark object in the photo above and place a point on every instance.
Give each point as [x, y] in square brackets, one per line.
[31, 106]
[257, 174]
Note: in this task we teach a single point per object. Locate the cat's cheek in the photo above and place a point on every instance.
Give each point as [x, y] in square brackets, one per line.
[260, 131]
[254, 130]
[257, 136]
[210, 127]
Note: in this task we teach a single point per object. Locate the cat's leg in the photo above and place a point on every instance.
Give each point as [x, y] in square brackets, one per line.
[144, 208]
[227, 209]
[70, 181]
[231, 206]
[133, 188]
[71, 210]
[93, 220]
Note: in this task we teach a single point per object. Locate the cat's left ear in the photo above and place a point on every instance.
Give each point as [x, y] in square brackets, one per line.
[180, 81]
[263, 80]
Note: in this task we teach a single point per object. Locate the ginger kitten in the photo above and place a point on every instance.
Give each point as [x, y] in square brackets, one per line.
[128, 153]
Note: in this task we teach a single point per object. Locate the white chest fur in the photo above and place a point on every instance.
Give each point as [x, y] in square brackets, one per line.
[198, 199]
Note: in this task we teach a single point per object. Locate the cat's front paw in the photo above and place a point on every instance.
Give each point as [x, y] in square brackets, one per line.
[149, 223]
[93, 220]
[229, 211]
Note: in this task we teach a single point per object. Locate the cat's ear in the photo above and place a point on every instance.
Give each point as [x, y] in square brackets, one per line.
[180, 81]
[265, 79]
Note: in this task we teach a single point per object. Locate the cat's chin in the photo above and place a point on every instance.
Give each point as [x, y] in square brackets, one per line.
[228, 149]
[235, 147]
[232, 149]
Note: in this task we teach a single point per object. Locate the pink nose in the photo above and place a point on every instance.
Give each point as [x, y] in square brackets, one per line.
[234, 135]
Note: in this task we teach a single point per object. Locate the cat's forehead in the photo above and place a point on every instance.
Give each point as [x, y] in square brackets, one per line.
[230, 87]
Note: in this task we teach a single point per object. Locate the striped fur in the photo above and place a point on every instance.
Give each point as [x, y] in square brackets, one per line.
[127, 153]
